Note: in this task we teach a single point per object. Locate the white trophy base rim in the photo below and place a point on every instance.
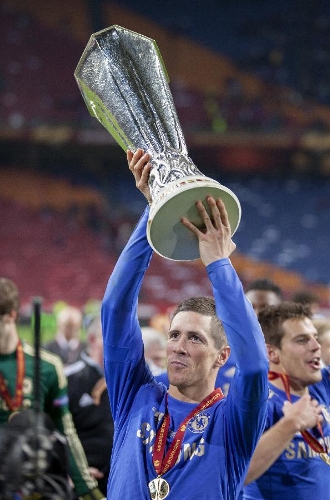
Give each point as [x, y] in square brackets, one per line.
[166, 233]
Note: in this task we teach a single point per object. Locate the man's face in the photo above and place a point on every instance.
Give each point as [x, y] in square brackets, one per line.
[262, 298]
[191, 353]
[300, 353]
[6, 323]
[70, 327]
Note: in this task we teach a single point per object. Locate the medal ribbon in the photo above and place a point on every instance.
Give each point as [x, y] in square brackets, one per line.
[164, 463]
[307, 436]
[14, 403]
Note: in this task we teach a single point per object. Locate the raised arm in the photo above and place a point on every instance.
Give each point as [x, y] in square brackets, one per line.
[235, 311]
[119, 306]
[247, 398]
[122, 339]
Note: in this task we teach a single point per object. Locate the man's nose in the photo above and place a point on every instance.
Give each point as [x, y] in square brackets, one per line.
[181, 344]
[315, 344]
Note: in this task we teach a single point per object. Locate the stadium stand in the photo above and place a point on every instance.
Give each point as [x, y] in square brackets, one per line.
[284, 42]
[37, 65]
[52, 227]
[220, 64]
[58, 251]
[40, 39]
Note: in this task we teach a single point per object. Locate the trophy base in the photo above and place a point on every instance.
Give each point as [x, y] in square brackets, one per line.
[166, 234]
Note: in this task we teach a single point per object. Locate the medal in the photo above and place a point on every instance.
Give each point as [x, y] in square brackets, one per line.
[159, 488]
[163, 462]
[325, 457]
[14, 403]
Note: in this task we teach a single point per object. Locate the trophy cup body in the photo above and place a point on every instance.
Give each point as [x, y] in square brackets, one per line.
[124, 83]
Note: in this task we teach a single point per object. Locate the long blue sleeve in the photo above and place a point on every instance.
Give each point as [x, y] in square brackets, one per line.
[122, 339]
[121, 295]
[242, 328]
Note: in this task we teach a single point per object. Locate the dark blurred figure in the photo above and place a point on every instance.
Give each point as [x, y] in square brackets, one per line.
[263, 292]
[67, 344]
[89, 405]
[309, 298]
[33, 459]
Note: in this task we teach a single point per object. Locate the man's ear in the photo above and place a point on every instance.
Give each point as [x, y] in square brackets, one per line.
[223, 356]
[272, 352]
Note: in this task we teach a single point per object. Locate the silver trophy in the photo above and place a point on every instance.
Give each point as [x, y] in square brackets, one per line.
[124, 82]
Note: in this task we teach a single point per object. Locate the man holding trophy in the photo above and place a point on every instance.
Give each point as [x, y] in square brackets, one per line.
[188, 441]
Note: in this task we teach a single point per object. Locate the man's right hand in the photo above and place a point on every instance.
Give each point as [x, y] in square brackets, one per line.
[298, 416]
[139, 165]
[215, 240]
[304, 414]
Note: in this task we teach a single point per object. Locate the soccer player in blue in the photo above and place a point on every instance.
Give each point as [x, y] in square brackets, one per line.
[291, 459]
[187, 442]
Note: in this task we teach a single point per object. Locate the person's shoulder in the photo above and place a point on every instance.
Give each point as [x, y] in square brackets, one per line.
[51, 343]
[51, 363]
[91, 364]
[50, 357]
[52, 346]
[45, 355]
[74, 368]
[320, 390]
[275, 402]
[84, 366]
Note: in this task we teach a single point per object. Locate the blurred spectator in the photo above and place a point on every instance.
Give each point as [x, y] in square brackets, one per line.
[67, 344]
[161, 322]
[309, 298]
[154, 349]
[322, 326]
[89, 405]
[263, 292]
[17, 387]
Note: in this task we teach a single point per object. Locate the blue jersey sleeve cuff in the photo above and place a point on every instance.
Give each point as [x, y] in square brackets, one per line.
[218, 263]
